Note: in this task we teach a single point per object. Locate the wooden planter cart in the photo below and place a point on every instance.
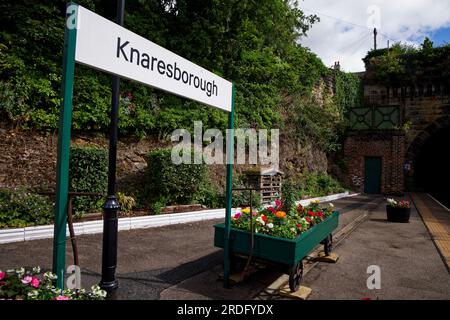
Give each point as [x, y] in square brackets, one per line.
[289, 253]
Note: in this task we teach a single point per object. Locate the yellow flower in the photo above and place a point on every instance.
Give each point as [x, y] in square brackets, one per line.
[246, 210]
[280, 214]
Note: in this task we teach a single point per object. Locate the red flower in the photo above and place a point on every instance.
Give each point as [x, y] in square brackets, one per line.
[311, 213]
[308, 219]
[299, 226]
[264, 218]
[299, 208]
[272, 210]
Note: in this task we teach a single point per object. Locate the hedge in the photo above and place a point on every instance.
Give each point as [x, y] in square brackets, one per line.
[88, 173]
[21, 208]
[168, 183]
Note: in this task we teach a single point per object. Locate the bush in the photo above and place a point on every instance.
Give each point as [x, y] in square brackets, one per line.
[319, 184]
[242, 199]
[178, 184]
[20, 208]
[209, 195]
[126, 203]
[88, 173]
[289, 195]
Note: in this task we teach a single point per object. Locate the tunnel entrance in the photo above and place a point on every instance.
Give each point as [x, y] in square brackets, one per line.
[432, 166]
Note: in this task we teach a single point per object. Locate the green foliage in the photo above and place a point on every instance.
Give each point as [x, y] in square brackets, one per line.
[88, 173]
[318, 184]
[157, 205]
[21, 208]
[30, 284]
[242, 199]
[289, 195]
[255, 44]
[349, 91]
[126, 203]
[178, 184]
[209, 195]
[403, 63]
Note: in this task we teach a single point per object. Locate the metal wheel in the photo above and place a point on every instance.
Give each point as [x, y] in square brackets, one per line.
[328, 244]
[237, 264]
[295, 276]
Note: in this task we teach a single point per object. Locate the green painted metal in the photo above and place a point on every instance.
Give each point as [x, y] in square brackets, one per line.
[372, 175]
[375, 117]
[62, 165]
[229, 194]
[284, 251]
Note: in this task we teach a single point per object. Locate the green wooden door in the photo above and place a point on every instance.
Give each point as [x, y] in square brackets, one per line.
[372, 174]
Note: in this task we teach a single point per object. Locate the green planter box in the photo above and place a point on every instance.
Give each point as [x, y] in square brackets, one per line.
[279, 250]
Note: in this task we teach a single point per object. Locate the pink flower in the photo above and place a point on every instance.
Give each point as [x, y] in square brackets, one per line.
[35, 282]
[278, 203]
[27, 279]
[272, 210]
[2, 275]
[62, 298]
[237, 216]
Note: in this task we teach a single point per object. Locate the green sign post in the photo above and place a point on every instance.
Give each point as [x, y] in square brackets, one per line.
[102, 44]
[229, 194]
[62, 164]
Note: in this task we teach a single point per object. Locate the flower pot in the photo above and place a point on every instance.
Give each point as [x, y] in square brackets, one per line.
[398, 214]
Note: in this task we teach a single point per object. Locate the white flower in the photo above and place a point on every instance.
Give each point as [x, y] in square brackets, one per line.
[260, 220]
[37, 269]
[20, 271]
[293, 229]
[33, 294]
[391, 202]
[98, 292]
[270, 225]
[50, 276]
[330, 205]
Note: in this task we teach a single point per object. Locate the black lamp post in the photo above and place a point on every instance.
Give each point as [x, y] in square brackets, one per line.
[110, 222]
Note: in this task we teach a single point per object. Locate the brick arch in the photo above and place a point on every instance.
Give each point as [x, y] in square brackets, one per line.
[419, 141]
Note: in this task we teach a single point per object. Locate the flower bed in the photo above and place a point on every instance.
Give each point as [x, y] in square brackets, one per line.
[278, 223]
[22, 284]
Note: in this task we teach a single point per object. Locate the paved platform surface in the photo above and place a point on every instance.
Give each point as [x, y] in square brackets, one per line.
[410, 265]
[173, 262]
[437, 220]
[180, 261]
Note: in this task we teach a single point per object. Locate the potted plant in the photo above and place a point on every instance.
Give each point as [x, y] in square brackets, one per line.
[398, 211]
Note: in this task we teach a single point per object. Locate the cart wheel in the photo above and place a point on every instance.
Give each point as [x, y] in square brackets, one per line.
[328, 244]
[237, 264]
[295, 276]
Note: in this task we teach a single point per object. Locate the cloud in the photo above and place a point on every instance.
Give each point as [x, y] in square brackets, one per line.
[345, 32]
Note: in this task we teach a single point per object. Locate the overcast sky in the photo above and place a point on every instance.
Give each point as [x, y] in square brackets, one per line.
[345, 32]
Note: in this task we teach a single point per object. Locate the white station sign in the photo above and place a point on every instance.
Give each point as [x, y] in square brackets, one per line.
[105, 45]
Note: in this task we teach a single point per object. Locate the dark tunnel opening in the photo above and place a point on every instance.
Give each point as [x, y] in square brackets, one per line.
[432, 166]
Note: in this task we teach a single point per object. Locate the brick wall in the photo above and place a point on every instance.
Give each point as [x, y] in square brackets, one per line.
[389, 145]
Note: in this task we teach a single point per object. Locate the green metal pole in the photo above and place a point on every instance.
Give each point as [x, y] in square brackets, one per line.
[229, 194]
[62, 165]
